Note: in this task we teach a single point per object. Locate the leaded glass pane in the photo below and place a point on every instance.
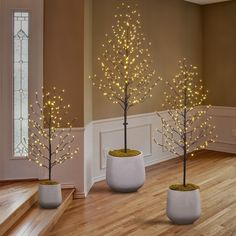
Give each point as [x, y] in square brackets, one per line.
[20, 78]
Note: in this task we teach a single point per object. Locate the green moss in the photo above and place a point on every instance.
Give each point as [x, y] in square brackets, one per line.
[122, 153]
[49, 182]
[180, 187]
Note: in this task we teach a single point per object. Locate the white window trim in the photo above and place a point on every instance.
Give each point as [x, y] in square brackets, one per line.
[35, 9]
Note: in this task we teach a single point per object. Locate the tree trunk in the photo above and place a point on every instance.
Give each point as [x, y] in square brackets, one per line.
[126, 96]
[185, 137]
[50, 150]
[125, 119]
[185, 165]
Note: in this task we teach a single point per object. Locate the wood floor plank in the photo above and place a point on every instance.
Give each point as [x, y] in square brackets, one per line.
[105, 213]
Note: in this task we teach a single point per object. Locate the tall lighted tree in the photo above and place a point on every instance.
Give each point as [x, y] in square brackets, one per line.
[128, 76]
[187, 128]
[50, 137]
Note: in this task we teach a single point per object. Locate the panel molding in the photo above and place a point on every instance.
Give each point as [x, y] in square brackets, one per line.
[141, 129]
[102, 133]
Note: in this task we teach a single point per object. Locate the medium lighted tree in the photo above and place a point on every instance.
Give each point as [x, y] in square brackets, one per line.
[128, 76]
[187, 127]
[50, 137]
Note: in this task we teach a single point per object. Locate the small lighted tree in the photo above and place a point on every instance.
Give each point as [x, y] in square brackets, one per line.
[50, 137]
[187, 128]
[128, 78]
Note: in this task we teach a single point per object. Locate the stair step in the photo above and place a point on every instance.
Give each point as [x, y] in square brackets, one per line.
[38, 221]
[15, 201]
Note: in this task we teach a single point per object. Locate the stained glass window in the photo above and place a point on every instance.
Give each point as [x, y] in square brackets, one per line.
[20, 81]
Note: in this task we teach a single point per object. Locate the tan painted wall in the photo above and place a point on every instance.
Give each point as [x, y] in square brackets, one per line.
[63, 52]
[88, 61]
[175, 29]
[220, 53]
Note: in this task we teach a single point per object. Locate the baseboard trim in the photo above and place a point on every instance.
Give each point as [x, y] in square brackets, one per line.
[67, 186]
[222, 149]
[99, 178]
[79, 195]
[18, 180]
[157, 161]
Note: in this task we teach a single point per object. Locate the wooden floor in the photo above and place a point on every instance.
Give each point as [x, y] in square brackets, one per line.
[143, 213]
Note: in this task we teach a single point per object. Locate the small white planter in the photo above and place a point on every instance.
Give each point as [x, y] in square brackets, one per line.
[50, 195]
[125, 174]
[183, 207]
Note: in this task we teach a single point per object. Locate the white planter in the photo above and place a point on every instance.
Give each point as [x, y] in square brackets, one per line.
[183, 207]
[125, 174]
[50, 195]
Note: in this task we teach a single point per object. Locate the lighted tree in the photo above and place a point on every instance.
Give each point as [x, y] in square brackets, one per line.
[128, 77]
[50, 137]
[187, 128]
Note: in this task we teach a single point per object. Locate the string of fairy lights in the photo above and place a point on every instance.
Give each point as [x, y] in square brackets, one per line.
[126, 64]
[50, 139]
[187, 127]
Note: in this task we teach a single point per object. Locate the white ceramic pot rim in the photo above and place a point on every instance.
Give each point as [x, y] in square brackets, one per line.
[183, 191]
[131, 157]
[49, 184]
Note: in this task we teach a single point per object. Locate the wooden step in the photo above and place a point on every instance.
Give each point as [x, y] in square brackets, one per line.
[15, 200]
[38, 221]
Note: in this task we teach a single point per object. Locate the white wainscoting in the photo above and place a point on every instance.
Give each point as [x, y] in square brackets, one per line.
[108, 134]
[224, 119]
[88, 158]
[70, 174]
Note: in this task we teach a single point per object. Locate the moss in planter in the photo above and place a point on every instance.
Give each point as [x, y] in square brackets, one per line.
[49, 182]
[180, 187]
[122, 153]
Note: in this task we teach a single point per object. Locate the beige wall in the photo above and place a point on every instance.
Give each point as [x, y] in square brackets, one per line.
[88, 61]
[205, 35]
[175, 29]
[220, 53]
[63, 52]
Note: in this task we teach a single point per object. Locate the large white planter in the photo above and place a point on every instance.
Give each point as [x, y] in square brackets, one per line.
[50, 195]
[125, 174]
[183, 207]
